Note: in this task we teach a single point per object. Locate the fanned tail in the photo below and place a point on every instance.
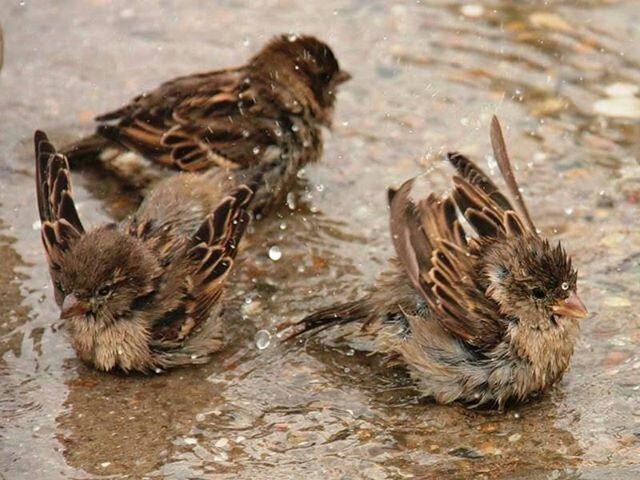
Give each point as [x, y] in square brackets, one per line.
[355, 311]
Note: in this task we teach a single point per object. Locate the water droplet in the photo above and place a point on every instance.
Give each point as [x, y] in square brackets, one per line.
[491, 162]
[302, 173]
[248, 300]
[320, 187]
[263, 339]
[256, 150]
[295, 128]
[292, 37]
[564, 286]
[246, 42]
[275, 253]
[245, 133]
[283, 226]
[568, 210]
[291, 201]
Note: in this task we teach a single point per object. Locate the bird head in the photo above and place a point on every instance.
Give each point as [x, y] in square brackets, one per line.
[104, 276]
[533, 282]
[309, 61]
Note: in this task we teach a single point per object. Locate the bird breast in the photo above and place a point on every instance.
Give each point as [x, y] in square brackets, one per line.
[122, 344]
[541, 355]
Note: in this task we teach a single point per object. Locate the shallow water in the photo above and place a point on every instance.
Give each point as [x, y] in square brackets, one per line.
[427, 78]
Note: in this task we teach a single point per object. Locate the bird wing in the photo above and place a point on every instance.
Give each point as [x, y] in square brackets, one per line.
[209, 259]
[60, 223]
[199, 121]
[443, 262]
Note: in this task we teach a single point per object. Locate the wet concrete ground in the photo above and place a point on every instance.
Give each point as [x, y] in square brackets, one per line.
[427, 77]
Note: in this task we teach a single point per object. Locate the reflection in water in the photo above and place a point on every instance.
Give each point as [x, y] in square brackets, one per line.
[427, 78]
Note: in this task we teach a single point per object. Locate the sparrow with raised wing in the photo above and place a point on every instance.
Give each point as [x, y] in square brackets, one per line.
[144, 294]
[478, 305]
[264, 117]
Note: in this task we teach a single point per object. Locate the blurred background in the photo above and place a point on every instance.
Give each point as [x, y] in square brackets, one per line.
[562, 76]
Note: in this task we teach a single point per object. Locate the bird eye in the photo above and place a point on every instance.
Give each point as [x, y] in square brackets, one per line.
[104, 290]
[538, 293]
[564, 286]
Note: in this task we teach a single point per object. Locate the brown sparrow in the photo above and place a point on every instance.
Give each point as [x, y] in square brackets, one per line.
[265, 116]
[143, 294]
[479, 306]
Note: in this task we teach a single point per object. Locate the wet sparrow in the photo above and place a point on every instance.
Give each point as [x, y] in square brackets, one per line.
[265, 115]
[143, 294]
[477, 304]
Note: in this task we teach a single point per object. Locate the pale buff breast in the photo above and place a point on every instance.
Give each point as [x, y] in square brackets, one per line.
[541, 356]
[122, 344]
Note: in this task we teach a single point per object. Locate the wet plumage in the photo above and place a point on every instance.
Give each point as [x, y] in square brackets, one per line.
[482, 311]
[265, 117]
[146, 293]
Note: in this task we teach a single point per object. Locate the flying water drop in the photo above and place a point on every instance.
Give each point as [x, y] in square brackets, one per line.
[263, 339]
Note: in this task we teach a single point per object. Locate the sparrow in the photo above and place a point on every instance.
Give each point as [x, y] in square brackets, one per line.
[145, 294]
[264, 117]
[478, 305]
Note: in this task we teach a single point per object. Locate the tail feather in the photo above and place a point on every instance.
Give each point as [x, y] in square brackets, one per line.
[88, 148]
[329, 317]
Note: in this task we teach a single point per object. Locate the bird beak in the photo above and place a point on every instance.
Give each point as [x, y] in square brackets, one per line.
[571, 306]
[342, 77]
[72, 307]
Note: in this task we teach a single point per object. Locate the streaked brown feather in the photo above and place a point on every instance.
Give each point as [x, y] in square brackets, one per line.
[210, 255]
[475, 176]
[445, 279]
[502, 157]
[411, 245]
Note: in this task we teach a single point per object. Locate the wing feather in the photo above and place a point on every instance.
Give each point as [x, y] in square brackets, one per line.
[502, 157]
[60, 222]
[200, 121]
[213, 250]
[432, 247]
